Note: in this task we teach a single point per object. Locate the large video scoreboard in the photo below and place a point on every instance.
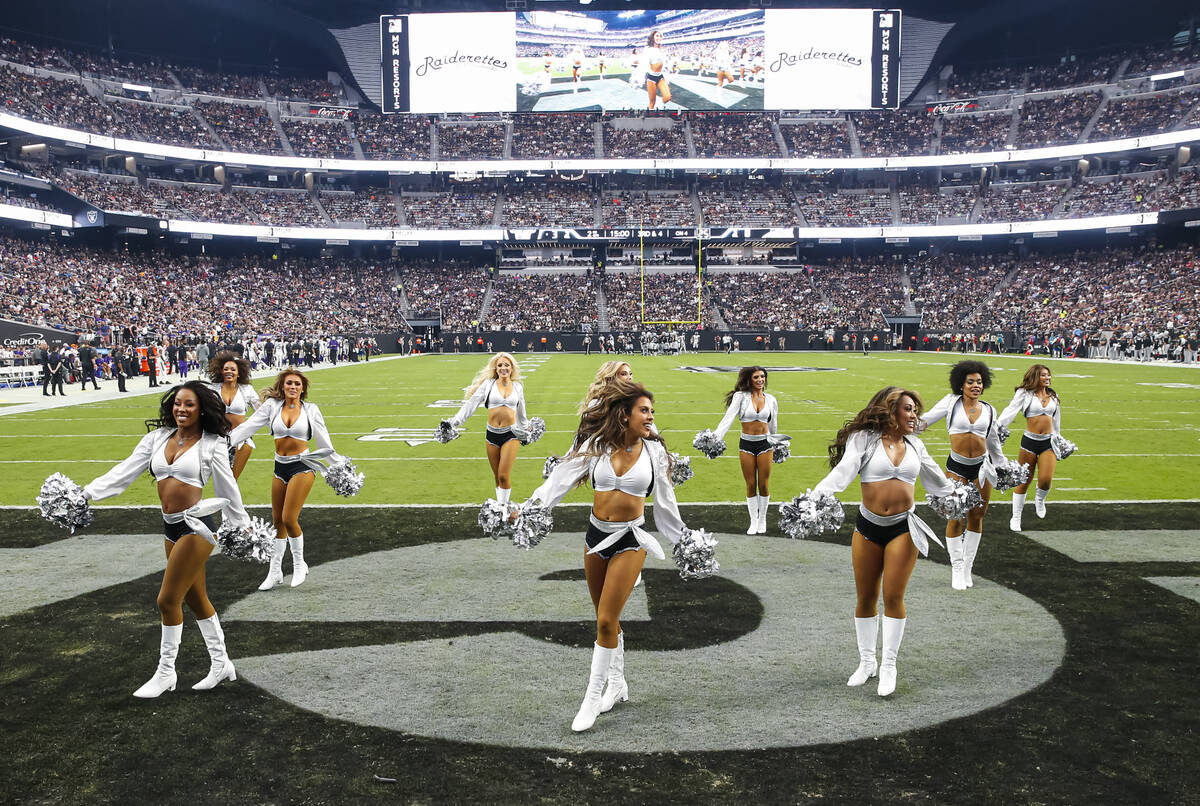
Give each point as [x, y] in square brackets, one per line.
[714, 59]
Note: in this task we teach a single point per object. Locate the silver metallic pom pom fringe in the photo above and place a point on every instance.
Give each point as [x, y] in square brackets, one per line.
[446, 432]
[1062, 446]
[344, 478]
[708, 444]
[551, 463]
[1003, 432]
[695, 554]
[253, 542]
[955, 505]
[530, 431]
[1011, 474]
[64, 503]
[810, 514]
[781, 452]
[533, 523]
[681, 469]
[493, 519]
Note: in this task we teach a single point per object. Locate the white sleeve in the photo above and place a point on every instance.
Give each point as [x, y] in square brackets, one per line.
[933, 478]
[470, 404]
[773, 423]
[252, 424]
[730, 414]
[320, 432]
[225, 486]
[1014, 408]
[939, 411]
[666, 508]
[522, 416]
[563, 478]
[1057, 418]
[995, 448]
[249, 396]
[840, 477]
[118, 479]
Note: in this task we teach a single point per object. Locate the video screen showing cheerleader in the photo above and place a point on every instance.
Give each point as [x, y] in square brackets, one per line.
[576, 61]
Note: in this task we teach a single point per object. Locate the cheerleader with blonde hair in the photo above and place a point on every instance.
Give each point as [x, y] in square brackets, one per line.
[498, 388]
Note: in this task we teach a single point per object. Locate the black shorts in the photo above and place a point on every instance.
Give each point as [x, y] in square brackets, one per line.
[754, 446]
[285, 471]
[627, 543]
[655, 77]
[498, 438]
[174, 531]
[968, 472]
[1035, 446]
[880, 535]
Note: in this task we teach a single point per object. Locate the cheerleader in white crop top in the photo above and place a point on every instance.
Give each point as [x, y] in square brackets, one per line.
[975, 450]
[229, 376]
[294, 424]
[878, 446]
[186, 449]
[625, 461]
[758, 412]
[654, 62]
[497, 387]
[1036, 399]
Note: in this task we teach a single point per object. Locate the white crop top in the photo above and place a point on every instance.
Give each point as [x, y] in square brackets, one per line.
[741, 407]
[749, 415]
[1027, 403]
[879, 466]
[186, 467]
[637, 480]
[494, 398]
[1034, 407]
[300, 429]
[958, 422]
[244, 399]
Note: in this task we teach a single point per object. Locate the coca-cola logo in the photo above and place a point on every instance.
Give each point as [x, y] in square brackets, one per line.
[331, 112]
[952, 106]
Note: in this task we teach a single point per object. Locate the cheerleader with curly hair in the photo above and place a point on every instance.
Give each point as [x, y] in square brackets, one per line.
[229, 377]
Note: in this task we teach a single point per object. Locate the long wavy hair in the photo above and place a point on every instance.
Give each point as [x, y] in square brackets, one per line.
[604, 424]
[212, 409]
[743, 382]
[1033, 378]
[604, 376]
[216, 367]
[275, 390]
[488, 373]
[882, 414]
[960, 371]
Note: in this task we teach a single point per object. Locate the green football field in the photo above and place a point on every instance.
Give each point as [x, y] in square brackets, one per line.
[1136, 425]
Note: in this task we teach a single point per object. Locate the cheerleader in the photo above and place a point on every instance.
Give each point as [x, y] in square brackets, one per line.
[758, 412]
[186, 449]
[229, 377]
[637, 71]
[625, 461]
[878, 445]
[724, 65]
[499, 389]
[576, 59]
[1038, 401]
[294, 423]
[653, 61]
[975, 450]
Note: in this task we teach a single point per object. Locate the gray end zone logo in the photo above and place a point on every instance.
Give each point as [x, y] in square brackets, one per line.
[768, 369]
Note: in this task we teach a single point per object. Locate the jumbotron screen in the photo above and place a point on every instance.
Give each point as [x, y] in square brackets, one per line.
[576, 61]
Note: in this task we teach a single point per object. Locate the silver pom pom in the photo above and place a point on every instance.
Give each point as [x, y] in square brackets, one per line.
[1011, 474]
[64, 503]
[708, 444]
[493, 519]
[681, 469]
[695, 554]
[446, 432]
[551, 463]
[533, 523]
[530, 431]
[810, 514]
[253, 542]
[1003, 432]
[1062, 446]
[781, 452]
[344, 478]
[955, 505]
